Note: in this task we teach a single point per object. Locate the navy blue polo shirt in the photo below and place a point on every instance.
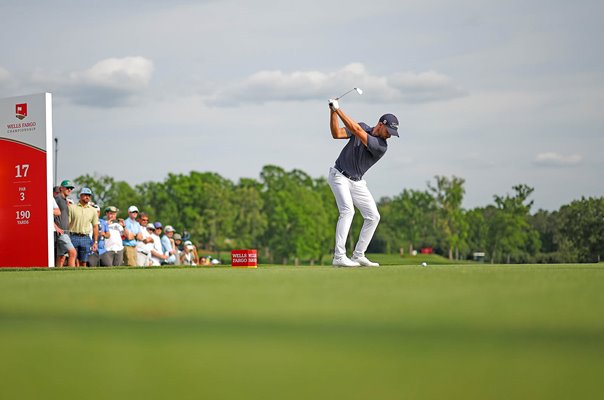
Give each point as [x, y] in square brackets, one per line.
[355, 159]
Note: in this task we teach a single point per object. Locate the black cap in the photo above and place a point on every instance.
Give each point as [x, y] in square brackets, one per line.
[391, 123]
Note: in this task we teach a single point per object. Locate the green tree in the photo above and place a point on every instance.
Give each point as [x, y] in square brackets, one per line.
[478, 230]
[581, 224]
[296, 214]
[250, 221]
[407, 219]
[157, 203]
[448, 196]
[511, 237]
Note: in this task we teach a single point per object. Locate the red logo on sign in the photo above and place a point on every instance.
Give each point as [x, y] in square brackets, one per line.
[21, 110]
[244, 258]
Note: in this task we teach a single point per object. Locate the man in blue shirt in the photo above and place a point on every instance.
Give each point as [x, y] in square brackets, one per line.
[366, 145]
[167, 245]
[132, 233]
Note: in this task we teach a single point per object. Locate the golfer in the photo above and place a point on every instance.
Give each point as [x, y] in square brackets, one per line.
[366, 145]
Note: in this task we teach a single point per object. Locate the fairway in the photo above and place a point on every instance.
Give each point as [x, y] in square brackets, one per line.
[464, 331]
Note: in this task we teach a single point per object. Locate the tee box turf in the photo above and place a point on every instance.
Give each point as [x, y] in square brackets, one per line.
[244, 258]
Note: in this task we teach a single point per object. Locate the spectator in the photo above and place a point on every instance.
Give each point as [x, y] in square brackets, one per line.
[94, 258]
[157, 253]
[82, 218]
[194, 249]
[189, 254]
[178, 246]
[144, 246]
[132, 233]
[56, 211]
[113, 255]
[55, 191]
[168, 245]
[63, 245]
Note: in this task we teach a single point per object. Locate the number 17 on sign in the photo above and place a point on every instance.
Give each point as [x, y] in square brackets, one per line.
[22, 170]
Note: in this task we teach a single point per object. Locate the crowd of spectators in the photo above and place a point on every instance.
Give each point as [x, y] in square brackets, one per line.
[85, 238]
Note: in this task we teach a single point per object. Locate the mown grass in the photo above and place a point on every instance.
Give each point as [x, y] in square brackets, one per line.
[445, 331]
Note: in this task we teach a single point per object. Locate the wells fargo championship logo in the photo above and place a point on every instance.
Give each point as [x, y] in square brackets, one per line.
[21, 110]
[21, 127]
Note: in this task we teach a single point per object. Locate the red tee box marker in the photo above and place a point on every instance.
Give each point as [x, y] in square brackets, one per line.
[244, 258]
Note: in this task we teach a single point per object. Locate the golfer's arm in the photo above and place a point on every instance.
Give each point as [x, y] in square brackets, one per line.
[352, 126]
[334, 125]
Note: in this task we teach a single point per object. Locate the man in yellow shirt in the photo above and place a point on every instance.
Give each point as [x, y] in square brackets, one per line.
[83, 218]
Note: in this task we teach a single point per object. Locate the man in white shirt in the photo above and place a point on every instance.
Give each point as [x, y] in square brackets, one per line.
[157, 253]
[145, 243]
[114, 247]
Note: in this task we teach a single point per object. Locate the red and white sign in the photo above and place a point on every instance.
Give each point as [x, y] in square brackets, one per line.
[26, 221]
[244, 258]
[21, 110]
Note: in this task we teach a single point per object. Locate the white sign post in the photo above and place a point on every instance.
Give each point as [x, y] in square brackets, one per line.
[26, 220]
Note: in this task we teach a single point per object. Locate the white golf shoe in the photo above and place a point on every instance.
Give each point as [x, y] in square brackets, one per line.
[364, 261]
[344, 261]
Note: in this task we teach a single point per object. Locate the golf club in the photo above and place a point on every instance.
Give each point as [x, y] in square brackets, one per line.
[358, 90]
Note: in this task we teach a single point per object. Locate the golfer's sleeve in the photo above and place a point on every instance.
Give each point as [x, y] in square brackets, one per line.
[374, 146]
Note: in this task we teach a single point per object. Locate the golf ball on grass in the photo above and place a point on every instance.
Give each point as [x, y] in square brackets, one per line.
[424, 264]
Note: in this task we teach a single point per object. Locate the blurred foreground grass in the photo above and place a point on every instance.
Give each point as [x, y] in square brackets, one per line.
[471, 332]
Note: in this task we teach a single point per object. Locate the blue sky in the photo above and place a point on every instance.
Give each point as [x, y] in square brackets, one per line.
[496, 92]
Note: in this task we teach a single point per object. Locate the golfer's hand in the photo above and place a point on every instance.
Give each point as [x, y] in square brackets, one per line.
[333, 104]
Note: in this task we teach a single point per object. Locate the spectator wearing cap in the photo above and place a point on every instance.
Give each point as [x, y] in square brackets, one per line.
[63, 245]
[132, 233]
[158, 253]
[158, 228]
[82, 218]
[178, 245]
[113, 254]
[189, 254]
[167, 244]
[158, 256]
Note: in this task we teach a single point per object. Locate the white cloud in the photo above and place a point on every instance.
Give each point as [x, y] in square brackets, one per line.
[129, 73]
[558, 160]
[276, 85]
[111, 82]
[5, 78]
[4, 75]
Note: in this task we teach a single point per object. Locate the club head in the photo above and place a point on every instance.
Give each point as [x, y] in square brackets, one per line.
[356, 89]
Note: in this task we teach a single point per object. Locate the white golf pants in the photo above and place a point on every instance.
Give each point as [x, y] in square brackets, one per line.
[350, 194]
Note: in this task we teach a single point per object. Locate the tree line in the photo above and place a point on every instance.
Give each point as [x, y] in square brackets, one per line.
[290, 217]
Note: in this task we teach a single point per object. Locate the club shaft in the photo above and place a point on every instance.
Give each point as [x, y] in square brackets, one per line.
[342, 95]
